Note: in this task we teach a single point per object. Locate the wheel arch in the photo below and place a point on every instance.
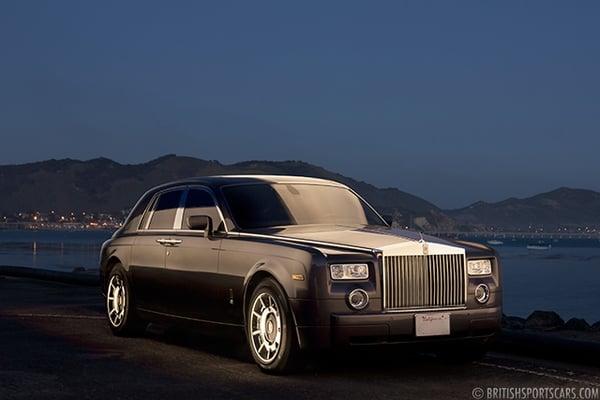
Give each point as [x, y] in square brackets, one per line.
[108, 267]
[258, 273]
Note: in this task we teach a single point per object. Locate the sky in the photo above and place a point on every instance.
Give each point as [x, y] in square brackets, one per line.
[452, 101]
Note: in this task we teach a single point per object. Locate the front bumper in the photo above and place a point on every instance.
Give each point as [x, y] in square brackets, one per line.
[480, 324]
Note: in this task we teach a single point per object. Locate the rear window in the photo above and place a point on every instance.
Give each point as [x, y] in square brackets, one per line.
[163, 216]
[133, 221]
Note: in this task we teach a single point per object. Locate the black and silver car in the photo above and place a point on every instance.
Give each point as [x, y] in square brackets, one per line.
[298, 263]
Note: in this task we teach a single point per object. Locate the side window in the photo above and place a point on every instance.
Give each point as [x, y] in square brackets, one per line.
[133, 221]
[165, 209]
[144, 221]
[200, 202]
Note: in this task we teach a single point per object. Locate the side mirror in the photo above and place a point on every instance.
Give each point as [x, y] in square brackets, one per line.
[200, 223]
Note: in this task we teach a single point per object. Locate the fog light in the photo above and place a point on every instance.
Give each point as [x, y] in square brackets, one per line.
[482, 293]
[358, 299]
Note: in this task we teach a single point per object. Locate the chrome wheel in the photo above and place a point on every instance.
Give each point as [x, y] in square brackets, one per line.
[116, 300]
[265, 327]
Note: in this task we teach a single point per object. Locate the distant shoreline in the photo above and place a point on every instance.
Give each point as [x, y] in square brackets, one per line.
[493, 239]
[58, 228]
[487, 235]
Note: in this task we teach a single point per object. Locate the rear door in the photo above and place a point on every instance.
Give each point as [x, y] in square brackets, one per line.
[150, 249]
[192, 263]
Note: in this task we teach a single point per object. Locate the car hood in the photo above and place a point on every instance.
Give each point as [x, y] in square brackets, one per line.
[390, 241]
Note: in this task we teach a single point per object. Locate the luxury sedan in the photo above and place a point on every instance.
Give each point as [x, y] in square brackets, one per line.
[297, 264]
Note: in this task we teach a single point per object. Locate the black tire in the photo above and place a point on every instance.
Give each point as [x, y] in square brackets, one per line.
[286, 358]
[125, 322]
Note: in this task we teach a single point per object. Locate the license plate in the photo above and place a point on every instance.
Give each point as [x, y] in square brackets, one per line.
[432, 324]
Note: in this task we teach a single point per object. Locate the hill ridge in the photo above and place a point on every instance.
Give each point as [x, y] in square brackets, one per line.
[104, 185]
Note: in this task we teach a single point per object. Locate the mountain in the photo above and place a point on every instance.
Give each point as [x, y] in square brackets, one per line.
[103, 185]
[560, 207]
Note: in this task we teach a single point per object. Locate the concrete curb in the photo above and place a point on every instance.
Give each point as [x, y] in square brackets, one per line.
[549, 346]
[74, 278]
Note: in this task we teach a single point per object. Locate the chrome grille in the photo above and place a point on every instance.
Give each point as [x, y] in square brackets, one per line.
[433, 281]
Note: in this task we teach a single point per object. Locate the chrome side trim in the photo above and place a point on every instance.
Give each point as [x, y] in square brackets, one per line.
[179, 213]
[189, 318]
[149, 211]
[369, 205]
[306, 241]
[178, 222]
[152, 205]
[210, 192]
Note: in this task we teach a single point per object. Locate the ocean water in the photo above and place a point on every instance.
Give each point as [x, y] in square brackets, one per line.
[56, 250]
[563, 279]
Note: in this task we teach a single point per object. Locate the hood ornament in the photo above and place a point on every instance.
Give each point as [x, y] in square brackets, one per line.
[424, 244]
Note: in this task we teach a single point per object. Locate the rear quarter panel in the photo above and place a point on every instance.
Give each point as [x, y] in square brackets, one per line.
[115, 250]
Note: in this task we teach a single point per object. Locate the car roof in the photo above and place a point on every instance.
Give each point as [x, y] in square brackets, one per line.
[217, 181]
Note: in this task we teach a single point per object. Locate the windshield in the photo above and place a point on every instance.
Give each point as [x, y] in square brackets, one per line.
[268, 205]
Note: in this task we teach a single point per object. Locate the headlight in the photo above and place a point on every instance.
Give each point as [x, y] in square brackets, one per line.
[349, 271]
[479, 267]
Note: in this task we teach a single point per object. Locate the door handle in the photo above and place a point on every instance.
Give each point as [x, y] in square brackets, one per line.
[169, 242]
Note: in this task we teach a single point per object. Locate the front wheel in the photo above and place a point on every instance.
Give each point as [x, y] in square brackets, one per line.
[270, 329]
[120, 310]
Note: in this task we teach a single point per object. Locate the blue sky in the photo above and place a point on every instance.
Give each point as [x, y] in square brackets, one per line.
[452, 101]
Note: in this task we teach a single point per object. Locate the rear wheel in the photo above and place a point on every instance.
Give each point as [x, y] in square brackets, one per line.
[270, 329]
[120, 310]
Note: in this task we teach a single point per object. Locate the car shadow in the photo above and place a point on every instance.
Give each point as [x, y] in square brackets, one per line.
[228, 343]
[375, 358]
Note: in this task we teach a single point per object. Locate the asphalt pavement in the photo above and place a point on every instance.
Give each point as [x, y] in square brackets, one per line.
[55, 344]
